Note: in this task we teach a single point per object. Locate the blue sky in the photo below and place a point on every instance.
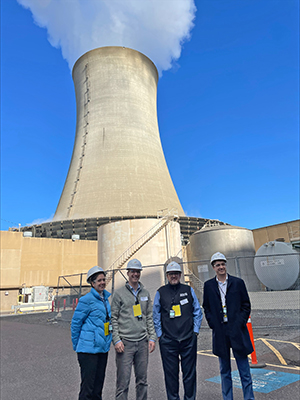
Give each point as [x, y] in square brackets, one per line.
[228, 114]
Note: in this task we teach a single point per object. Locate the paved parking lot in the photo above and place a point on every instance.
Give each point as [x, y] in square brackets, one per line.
[38, 363]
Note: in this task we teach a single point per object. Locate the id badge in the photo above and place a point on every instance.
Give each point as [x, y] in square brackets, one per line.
[225, 318]
[172, 314]
[177, 310]
[106, 328]
[110, 328]
[137, 311]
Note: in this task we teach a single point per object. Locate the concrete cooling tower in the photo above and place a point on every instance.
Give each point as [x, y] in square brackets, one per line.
[118, 166]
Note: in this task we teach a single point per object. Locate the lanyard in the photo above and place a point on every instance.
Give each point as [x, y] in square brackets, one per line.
[223, 294]
[223, 299]
[136, 296]
[137, 311]
[173, 297]
[104, 302]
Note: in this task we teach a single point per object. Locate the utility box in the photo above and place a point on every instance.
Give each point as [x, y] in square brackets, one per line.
[39, 294]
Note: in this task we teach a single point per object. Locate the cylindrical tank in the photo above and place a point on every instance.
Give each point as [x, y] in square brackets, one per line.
[277, 266]
[116, 237]
[118, 166]
[236, 243]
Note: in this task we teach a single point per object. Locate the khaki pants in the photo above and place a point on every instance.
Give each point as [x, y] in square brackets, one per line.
[136, 354]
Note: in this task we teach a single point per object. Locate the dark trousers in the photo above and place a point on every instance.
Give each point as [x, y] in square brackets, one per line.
[172, 352]
[92, 369]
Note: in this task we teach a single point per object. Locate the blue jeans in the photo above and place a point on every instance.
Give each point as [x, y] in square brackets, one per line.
[245, 375]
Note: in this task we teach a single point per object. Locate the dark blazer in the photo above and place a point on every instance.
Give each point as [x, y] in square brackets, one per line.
[238, 312]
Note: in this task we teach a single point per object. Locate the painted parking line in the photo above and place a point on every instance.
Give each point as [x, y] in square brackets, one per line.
[283, 364]
[275, 351]
[297, 345]
[264, 380]
[208, 353]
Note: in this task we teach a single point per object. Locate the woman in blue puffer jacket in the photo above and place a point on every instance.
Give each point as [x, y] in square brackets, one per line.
[91, 335]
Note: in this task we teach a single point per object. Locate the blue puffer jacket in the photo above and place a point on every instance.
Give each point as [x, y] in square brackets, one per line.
[87, 327]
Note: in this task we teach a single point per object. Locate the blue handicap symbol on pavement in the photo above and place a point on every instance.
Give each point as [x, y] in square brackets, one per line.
[264, 381]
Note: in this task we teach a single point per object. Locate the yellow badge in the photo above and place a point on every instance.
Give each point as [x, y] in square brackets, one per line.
[177, 310]
[137, 311]
[106, 328]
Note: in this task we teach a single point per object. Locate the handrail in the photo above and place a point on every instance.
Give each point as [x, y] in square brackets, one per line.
[166, 216]
[71, 286]
[199, 283]
[128, 254]
[141, 241]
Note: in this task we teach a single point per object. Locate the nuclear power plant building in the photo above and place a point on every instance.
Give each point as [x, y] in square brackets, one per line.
[119, 202]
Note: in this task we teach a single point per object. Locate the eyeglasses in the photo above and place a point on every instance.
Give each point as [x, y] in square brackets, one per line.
[173, 273]
[220, 265]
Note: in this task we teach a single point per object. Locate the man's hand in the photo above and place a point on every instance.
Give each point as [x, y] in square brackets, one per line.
[151, 346]
[119, 347]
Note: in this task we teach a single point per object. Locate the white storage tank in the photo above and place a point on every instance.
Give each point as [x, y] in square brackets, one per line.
[236, 243]
[277, 266]
[116, 237]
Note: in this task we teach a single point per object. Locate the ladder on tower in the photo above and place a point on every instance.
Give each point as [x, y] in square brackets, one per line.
[138, 244]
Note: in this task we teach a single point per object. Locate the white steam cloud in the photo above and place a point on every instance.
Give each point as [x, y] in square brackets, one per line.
[40, 221]
[157, 28]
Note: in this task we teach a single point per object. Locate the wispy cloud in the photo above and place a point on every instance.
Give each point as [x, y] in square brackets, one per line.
[193, 212]
[39, 221]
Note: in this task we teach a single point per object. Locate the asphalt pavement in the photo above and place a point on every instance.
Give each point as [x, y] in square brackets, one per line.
[38, 363]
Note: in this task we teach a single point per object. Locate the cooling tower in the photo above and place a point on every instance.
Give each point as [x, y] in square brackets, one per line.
[118, 167]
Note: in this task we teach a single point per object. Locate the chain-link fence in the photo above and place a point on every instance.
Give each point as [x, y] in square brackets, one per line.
[266, 278]
[273, 284]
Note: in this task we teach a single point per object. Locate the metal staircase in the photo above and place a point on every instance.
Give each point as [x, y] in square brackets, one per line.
[138, 244]
[192, 280]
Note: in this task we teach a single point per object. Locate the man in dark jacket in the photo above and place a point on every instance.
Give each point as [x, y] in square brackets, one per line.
[227, 309]
[177, 319]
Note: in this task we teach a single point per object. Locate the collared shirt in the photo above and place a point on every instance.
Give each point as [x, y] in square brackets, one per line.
[223, 289]
[135, 292]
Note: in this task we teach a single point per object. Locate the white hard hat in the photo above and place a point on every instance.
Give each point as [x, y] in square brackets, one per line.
[217, 256]
[134, 264]
[173, 267]
[92, 271]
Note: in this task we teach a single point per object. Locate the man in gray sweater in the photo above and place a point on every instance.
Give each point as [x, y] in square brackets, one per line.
[133, 332]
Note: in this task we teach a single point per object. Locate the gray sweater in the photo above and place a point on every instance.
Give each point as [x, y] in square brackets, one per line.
[125, 325]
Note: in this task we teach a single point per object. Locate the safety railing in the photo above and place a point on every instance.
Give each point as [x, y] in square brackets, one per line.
[139, 243]
[274, 308]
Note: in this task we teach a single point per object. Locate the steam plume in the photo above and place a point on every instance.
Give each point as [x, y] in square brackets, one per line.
[157, 28]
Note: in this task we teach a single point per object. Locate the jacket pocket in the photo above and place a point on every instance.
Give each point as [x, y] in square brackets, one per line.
[99, 340]
[87, 336]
